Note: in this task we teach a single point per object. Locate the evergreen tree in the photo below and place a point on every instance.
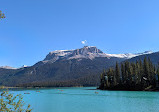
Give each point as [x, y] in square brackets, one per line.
[134, 76]
[151, 71]
[122, 72]
[146, 68]
[117, 73]
[138, 74]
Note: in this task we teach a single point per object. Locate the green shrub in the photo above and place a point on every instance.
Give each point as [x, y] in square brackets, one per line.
[11, 103]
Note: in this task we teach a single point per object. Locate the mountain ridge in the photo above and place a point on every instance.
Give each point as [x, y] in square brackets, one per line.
[88, 52]
[79, 67]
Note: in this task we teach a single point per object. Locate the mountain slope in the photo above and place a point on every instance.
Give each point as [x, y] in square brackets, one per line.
[64, 66]
[79, 67]
[153, 56]
[129, 55]
[62, 70]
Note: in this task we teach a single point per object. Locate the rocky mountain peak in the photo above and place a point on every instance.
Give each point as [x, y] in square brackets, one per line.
[89, 52]
[86, 50]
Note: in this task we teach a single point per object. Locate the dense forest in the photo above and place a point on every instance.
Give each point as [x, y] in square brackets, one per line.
[133, 76]
[90, 80]
[60, 73]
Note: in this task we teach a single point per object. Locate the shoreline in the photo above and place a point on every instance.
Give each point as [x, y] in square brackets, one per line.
[97, 88]
[114, 89]
[14, 87]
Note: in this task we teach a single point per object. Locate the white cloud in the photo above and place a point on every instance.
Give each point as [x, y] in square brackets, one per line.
[84, 42]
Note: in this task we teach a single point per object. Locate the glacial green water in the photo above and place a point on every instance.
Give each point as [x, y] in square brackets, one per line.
[86, 99]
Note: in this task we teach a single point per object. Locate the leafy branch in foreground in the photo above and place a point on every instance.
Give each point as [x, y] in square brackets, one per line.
[10, 103]
[2, 15]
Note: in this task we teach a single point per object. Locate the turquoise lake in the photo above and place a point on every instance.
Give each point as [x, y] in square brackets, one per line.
[87, 99]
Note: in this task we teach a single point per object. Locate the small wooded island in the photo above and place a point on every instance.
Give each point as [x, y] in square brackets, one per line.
[138, 76]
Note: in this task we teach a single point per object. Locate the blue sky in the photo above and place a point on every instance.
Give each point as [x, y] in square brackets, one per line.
[32, 28]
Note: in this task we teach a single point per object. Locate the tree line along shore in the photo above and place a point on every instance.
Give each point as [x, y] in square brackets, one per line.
[131, 76]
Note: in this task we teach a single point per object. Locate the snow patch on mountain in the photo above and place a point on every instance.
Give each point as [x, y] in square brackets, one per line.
[7, 67]
[129, 55]
[87, 52]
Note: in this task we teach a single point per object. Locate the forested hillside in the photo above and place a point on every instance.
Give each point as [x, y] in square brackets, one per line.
[136, 76]
[79, 67]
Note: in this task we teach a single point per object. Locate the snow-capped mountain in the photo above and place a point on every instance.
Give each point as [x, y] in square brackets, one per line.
[69, 68]
[87, 52]
[129, 55]
[7, 67]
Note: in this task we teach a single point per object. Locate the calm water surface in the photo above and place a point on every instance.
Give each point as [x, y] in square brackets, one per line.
[86, 99]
